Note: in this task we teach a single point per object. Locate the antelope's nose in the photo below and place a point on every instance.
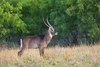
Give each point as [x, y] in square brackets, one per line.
[56, 33]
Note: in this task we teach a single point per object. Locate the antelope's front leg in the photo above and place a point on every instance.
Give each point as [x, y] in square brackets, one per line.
[41, 49]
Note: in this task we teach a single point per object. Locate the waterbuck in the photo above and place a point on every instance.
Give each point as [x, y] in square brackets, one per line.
[39, 41]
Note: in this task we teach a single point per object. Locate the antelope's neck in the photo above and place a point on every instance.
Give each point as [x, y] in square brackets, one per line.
[50, 34]
[48, 37]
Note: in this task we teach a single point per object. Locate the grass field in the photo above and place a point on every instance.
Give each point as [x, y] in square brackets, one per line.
[83, 56]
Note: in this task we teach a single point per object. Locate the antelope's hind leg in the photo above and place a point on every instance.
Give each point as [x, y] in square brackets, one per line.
[21, 51]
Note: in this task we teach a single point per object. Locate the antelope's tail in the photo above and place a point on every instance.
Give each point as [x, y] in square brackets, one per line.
[21, 45]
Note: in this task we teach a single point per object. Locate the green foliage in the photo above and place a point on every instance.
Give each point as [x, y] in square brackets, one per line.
[87, 15]
[10, 18]
[71, 18]
[13, 45]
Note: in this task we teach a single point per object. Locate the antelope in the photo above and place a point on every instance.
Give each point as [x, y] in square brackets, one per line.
[39, 41]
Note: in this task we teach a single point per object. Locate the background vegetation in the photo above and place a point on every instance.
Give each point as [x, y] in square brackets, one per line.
[77, 21]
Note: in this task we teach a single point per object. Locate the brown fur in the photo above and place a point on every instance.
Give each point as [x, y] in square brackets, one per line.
[40, 41]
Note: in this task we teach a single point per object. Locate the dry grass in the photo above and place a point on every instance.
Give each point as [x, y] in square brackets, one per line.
[83, 56]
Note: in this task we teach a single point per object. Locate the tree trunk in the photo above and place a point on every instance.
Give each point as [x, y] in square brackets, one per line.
[74, 38]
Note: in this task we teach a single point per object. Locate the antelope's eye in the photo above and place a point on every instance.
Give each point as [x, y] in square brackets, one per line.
[52, 30]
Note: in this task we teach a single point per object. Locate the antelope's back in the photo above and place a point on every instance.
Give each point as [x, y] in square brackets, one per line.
[32, 41]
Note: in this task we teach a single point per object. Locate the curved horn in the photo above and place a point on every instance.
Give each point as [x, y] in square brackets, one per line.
[49, 23]
[45, 23]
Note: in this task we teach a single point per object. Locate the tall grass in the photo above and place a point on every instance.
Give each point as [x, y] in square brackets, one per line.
[83, 56]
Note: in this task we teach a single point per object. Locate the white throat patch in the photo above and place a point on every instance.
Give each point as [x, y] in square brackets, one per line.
[50, 34]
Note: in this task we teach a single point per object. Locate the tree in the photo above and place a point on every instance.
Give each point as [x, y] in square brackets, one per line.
[10, 20]
[87, 15]
[76, 20]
